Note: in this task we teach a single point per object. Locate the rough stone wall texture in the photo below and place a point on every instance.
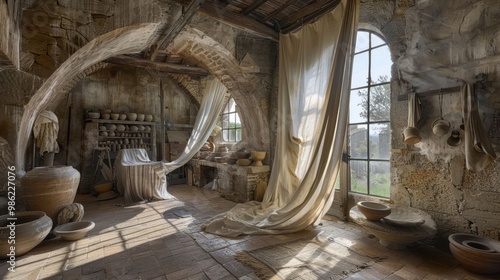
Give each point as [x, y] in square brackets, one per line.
[9, 34]
[53, 30]
[440, 44]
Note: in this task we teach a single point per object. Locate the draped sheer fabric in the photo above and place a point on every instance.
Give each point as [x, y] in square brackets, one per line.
[211, 106]
[140, 179]
[479, 152]
[314, 75]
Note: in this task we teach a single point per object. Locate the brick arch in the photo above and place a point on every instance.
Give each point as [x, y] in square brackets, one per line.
[120, 41]
[220, 62]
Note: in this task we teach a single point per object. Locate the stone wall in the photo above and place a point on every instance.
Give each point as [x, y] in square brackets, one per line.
[441, 44]
[9, 34]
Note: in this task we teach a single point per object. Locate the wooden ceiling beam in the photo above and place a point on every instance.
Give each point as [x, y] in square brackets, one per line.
[219, 12]
[307, 15]
[279, 10]
[157, 66]
[254, 6]
[186, 16]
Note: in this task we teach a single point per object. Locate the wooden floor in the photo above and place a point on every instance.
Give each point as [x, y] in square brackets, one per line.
[157, 241]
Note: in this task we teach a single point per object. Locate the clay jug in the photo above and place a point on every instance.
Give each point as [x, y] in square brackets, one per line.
[50, 189]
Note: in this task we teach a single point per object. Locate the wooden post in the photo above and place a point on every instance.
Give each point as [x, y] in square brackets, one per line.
[162, 121]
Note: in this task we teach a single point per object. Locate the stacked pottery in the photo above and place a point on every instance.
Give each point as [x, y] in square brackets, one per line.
[31, 228]
[50, 189]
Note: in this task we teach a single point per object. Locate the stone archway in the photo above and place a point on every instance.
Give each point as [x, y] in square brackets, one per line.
[120, 41]
[195, 45]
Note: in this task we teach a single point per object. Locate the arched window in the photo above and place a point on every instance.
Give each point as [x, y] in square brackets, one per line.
[369, 116]
[231, 123]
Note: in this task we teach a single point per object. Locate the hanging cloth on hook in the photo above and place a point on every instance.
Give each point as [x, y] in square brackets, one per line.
[478, 150]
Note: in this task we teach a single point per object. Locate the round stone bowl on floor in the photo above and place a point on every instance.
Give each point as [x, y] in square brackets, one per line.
[373, 211]
[397, 237]
[31, 228]
[475, 253]
[74, 230]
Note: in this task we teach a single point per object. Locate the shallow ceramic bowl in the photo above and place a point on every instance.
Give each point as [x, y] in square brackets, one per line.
[475, 253]
[244, 162]
[104, 187]
[74, 230]
[373, 211]
[240, 155]
[94, 115]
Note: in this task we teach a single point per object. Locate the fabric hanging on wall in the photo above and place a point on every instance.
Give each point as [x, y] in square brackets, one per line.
[314, 76]
[414, 109]
[211, 106]
[45, 131]
[479, 152]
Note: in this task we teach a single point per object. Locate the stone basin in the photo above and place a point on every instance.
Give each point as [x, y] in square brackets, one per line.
[397, 236]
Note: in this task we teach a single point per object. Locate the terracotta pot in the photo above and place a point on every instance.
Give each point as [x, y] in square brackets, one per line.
[50, 189]
[31, 228]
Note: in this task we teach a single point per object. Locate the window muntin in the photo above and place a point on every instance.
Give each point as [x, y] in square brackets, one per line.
[231, 123]
[369, 116]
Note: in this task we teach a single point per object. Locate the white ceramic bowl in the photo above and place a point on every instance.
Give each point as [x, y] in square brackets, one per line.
[74, 230]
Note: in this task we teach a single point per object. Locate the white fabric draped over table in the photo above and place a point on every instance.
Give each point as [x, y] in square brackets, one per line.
[314, 69]
[140, 179]
[478, 150]
[137, 178]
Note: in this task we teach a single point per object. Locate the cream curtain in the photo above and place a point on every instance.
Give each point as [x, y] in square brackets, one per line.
[478, 150]
[211, 106]
[45, 131]
[313, 101]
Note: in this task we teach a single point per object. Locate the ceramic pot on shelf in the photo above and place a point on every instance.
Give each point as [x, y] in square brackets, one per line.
[140, 117]
[132, 116]
[50, 189]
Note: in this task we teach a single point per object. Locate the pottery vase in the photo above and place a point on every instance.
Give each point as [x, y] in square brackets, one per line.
[31, 228]
[50, 189]
[258, 157]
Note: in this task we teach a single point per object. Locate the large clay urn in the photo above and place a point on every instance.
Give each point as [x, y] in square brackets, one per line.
[50, 189]
[31, 227]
